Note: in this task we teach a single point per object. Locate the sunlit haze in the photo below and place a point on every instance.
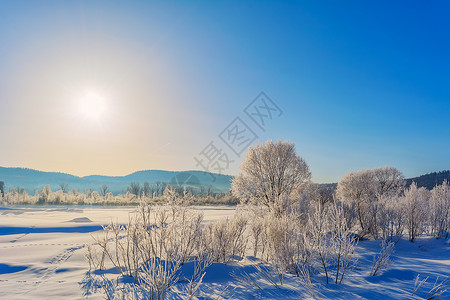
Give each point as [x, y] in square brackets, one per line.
[93, 106]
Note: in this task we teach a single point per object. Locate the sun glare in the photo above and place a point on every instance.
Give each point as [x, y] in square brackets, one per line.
[92, 107]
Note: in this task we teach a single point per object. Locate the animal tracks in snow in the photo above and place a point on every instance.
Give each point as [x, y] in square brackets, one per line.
[51, 265]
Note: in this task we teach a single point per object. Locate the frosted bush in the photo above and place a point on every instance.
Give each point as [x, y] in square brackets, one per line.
[383, 259]
[151, 248]
[226, 238]
[343, 244]
[285, 243]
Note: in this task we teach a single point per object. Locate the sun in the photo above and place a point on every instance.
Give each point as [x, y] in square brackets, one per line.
[92, 107]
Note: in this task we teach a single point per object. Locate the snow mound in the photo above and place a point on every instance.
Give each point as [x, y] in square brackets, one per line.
[81, 220]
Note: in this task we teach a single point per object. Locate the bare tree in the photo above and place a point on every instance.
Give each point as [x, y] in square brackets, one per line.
[104, 190]
[135, 189]
[147, 189]
[160, 186]
[2, 188]
[270, 172]
[64, 187]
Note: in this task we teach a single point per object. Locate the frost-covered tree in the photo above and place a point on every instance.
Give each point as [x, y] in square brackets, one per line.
[439, 210]
[318, 233]
[415, 210]
[44, 196]
[391, 218]
[343, 244]
[355, 190]
[366, 191]
[330, 241]
[321, 194]
[269, 173]
[388, 182]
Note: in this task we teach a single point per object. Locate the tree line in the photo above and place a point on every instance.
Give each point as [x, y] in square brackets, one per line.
[133, 195]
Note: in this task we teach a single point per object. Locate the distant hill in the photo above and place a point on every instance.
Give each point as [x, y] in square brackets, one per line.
[430, 180]
[30, 180]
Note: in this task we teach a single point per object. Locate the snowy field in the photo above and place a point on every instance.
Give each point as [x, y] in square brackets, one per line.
[42, 257]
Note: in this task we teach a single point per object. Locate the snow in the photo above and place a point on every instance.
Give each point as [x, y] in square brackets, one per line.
[42, 257]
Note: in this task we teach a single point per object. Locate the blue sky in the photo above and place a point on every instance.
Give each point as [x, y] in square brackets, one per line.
[361, 84]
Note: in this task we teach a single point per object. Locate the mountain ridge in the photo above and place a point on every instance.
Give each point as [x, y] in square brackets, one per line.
[430, 180]
[31, 179]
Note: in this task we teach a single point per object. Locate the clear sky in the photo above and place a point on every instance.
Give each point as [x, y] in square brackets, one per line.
[111, 87]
